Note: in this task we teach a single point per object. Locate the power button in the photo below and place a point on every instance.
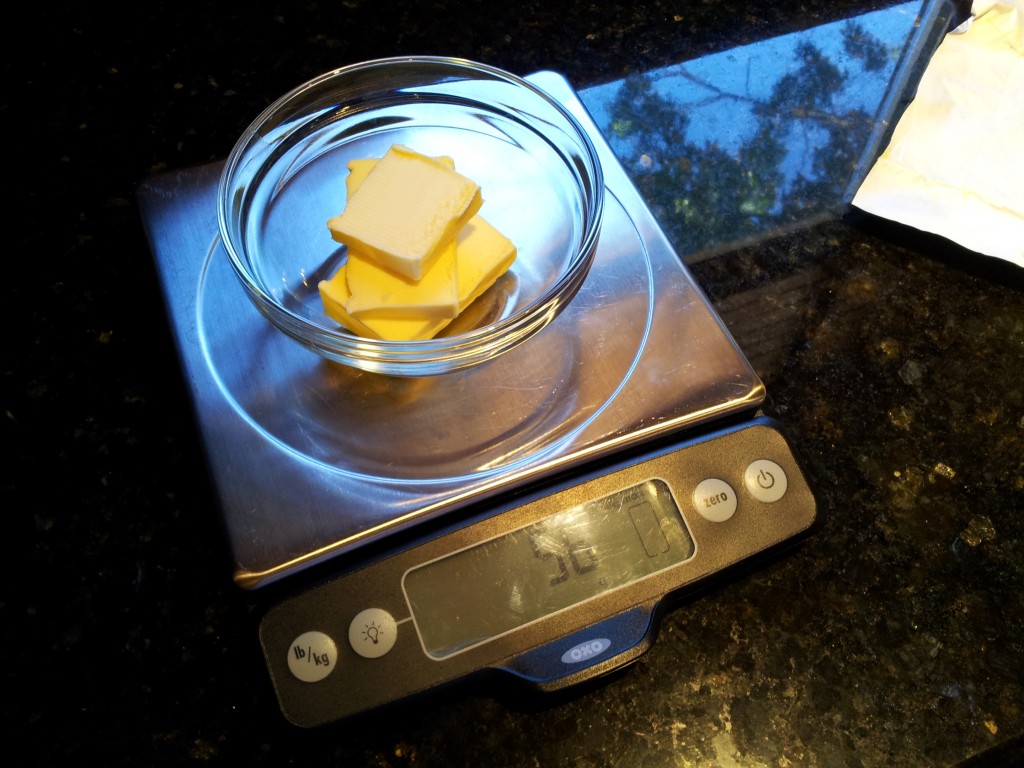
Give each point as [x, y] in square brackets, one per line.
[765, 480]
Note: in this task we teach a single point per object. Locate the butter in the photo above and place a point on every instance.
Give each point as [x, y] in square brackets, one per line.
[379, 292]
[335, 294]
[406, 210]
[374, 301]
[359, 168]
[484, 255]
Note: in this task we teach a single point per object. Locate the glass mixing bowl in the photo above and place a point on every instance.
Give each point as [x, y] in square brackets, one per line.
[539, 173]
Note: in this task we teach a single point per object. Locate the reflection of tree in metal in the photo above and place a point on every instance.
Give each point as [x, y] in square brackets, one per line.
[721, 157]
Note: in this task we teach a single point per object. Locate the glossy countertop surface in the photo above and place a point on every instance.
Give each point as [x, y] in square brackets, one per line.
[893, 636]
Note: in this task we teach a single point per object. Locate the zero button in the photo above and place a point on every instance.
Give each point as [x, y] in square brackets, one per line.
[715, 500]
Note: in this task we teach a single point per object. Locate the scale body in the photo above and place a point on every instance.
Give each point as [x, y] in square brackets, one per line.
[569, 487]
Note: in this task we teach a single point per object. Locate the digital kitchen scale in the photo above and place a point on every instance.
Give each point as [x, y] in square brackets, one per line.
[531, 514]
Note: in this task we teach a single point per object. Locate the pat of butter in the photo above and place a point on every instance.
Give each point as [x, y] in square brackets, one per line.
[334, 294]
[359, 169]
[379, 292]
[484, 255]
[356, 296]
[406, 210]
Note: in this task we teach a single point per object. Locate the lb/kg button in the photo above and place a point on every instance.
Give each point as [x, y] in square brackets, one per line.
[312, 656]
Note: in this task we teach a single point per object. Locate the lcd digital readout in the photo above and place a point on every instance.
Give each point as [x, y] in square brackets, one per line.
[480, 593]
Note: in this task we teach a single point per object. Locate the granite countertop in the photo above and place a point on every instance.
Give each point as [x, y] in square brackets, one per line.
[893, 636]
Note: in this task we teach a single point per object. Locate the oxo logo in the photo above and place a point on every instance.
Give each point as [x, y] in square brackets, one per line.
[586, 650]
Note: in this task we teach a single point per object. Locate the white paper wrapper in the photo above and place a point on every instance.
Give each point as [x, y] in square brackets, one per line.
[955, 163]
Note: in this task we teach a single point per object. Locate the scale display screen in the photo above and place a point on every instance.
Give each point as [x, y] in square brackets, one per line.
[487, 590]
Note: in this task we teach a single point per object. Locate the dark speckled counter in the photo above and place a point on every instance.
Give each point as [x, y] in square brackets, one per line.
[894, 636]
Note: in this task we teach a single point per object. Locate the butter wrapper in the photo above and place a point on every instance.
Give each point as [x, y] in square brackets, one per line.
[955, 163]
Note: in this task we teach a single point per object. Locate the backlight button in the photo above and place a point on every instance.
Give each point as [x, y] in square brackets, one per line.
[372, 633]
